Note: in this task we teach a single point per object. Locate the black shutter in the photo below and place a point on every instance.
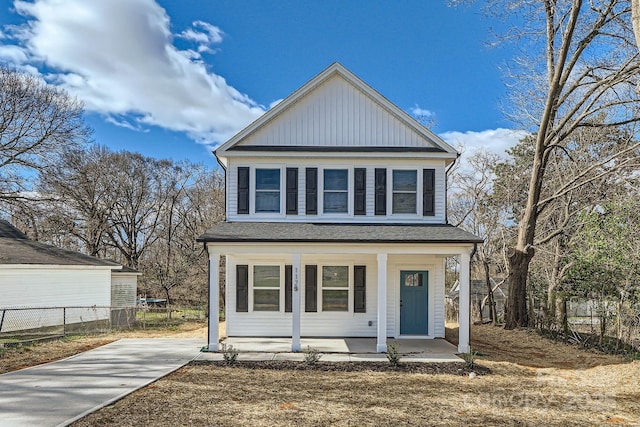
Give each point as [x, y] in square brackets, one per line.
[428, 192]
[243, 190]
[292, 191]
[360, 289]
[360, 192]
[312, 191]
[288, 282]
[381, 191]
[310, 288]
[242, 288]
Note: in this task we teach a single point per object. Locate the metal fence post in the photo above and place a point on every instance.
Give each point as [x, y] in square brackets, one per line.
[64, 321]
[2, 319]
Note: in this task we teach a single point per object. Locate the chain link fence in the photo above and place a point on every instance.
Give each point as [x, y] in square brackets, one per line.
[22, 324]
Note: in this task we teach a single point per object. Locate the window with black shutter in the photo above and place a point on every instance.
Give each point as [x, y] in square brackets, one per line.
[381, 191]
[243, 190]
[360, 289]
[360, 192]
[310, 288]
[292, 191]
[311, 197]
[428, 192]
[288, 285]
[242, 288]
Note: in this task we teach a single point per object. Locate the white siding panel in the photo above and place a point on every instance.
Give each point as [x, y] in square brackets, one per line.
[54, 287]
[371, 192]
[334, 114]
[232, 192]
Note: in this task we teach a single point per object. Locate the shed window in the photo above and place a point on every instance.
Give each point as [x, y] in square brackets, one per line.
[335, 288]
[336, 190]
[266, 288]
[267, 190]
[405, 189]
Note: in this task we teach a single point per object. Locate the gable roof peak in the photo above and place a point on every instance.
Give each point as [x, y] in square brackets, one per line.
[401, 118]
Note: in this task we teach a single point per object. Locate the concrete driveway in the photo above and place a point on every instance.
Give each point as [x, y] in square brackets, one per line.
[61, 392]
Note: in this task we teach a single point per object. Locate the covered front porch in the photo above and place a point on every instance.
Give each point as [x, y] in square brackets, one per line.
[380, 268]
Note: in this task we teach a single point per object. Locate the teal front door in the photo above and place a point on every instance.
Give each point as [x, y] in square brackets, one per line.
[414, 299]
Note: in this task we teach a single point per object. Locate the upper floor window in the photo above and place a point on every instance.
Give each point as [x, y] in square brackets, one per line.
[267, 190]
[405, 190]
[336, 191]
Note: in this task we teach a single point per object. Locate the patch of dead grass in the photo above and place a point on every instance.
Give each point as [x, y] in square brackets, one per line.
[527, 348]
[225, 396]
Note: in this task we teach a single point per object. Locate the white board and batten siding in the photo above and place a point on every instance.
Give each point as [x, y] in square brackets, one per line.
[336, 163]
[334, 324]
[335, 114]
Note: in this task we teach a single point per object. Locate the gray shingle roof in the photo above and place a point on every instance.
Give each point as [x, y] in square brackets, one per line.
[344, 233]
[16, 248]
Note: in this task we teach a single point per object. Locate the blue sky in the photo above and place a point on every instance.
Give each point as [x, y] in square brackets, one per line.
[172, 79]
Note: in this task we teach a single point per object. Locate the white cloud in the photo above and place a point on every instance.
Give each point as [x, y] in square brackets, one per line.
[211, 35]
[12, 54]
[118, 57]
[421, 112]
[492, 140]
[123, 123]
[276, 102]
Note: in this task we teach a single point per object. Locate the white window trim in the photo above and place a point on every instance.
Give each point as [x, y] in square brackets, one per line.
[350, 291]
[281, 296]
[252, 191]
[350, 190]
[419, 193]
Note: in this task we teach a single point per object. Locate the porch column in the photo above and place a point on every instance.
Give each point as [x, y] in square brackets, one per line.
[295, 303]
[464, 309]
[381, 346]
[214, 303]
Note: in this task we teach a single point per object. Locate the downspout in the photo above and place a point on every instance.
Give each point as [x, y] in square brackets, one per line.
[446, 191]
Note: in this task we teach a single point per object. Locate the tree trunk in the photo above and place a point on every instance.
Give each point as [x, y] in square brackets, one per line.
[516, 308]
[490, 300]
[561, 312]
[551, 302]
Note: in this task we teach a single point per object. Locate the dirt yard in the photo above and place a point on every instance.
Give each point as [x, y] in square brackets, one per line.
[533, 382]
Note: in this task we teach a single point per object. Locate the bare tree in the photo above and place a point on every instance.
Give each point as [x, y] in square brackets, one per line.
[580, 71]
[80, 192]
[36, 122]
[470, 207]
[577, 177]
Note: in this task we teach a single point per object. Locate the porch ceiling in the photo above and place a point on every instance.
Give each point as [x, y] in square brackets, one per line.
[285, 232]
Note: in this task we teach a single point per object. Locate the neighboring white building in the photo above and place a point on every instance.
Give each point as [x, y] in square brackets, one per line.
[336, 221]
[33, 274]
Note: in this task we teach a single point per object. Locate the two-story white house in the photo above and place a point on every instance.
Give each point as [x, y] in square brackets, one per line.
[336, 222]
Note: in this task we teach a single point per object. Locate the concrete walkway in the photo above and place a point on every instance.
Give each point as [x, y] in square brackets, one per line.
[339, 349]
[61, 392]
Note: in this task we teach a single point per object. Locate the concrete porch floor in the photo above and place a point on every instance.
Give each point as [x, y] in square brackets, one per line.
[338, 349]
